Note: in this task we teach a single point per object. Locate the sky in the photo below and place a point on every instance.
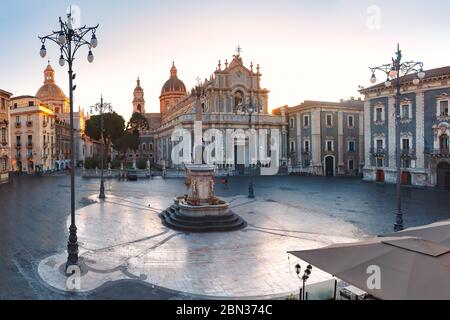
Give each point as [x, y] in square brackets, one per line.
[307, 50]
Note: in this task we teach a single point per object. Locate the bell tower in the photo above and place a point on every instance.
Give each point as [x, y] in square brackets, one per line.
[138, 98]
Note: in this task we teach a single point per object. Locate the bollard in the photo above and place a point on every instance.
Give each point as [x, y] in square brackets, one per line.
[251, 192]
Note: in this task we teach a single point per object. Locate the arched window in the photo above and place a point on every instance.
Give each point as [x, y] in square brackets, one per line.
[144, 146]
[139, 108]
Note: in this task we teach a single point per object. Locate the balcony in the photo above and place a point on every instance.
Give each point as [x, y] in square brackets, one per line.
[29, 145]
[378, 152]
[18, 125]
[408, 152]
[29, 156]
[44, 124]
[4, 143]
[306, 152]
[29, 124]
[439, 153]
[18, 157]
[18, 145]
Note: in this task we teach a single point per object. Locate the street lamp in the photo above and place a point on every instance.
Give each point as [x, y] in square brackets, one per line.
[304, 278]
[101, 108]
[69, 40]
[394, 71]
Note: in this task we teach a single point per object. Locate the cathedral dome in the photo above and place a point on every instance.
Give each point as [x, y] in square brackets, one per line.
[173, 84]
[50, 89]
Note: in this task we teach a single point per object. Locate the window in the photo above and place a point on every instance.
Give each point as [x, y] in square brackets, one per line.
[3, 137]
[151, 146]
[379, 114]
[17, 119]
[292, 146]
[379, 162]
[351, 164]
[443, 108]
[351, 121]
[379, 144]
[292, 123]
[306, 146]
[351, 146]
[3, 104]
[144, 146]
[405, 111]
[329, 120]
[3, 165]
[306, 121]
[329, 145]
[30, 103]
[406, 163]
[405, 144]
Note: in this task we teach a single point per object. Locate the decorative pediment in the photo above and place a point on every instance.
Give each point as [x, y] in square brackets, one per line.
[379, 135]
[443, 96]
[406, 135]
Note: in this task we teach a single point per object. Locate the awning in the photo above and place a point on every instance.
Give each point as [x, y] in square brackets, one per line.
[405, 268]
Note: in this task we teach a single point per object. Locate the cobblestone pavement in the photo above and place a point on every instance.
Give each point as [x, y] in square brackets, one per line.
[124, 240]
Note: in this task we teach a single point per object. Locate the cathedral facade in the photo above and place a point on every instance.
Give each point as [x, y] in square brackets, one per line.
[234, 104]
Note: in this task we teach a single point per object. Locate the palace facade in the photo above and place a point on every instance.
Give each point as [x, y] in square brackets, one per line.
[233, 100]
[423, 135]
[326, 138]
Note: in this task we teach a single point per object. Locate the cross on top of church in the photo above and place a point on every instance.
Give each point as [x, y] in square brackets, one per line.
[239, 50]
[199, 81]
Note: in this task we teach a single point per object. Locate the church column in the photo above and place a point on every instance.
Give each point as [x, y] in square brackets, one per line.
[420, 130]
[392, 133]
[299, 139]
[316, 145]
[340, 143]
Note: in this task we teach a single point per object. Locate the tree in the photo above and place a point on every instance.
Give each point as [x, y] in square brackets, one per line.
[138, 123]
[128, 141]
[113, 128]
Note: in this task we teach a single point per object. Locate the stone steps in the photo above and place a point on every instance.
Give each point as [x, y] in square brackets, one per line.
[173, 220]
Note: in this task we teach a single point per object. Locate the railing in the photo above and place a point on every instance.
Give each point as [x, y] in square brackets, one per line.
[18, 157]
[4, 143]
[29, 156]
[44, 124]
[439, 152]
[30, 145]
[408, 152]
[18, 125]
[29, 123]
[18, 145]
[378, 151]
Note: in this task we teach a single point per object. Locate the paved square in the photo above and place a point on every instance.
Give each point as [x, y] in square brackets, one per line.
[124, 239]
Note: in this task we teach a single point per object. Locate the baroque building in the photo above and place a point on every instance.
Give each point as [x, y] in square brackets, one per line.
[33, 135]
[326, 138]
[233, 101]
[423, 135]
[53, 96]
[5, 136]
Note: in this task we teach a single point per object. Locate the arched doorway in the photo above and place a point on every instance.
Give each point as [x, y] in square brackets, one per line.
[443, 176]
[30, 167]
[329, 166]
[19, 166]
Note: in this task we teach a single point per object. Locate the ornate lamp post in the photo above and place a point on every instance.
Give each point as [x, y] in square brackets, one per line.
[69, 40]
[304, 278]
[394, 71]
[101, 108]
